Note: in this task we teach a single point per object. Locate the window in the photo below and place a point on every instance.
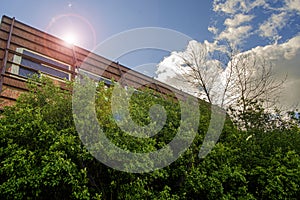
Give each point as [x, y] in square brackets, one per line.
[33, 63]
[95, 77]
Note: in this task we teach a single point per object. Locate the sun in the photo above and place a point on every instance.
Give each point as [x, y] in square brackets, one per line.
[70, 37]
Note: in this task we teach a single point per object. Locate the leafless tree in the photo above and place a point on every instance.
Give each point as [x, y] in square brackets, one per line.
[199, 70]
[247, 77]
[253, 79]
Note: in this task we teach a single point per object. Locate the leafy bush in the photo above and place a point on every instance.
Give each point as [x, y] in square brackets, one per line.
[42, 156]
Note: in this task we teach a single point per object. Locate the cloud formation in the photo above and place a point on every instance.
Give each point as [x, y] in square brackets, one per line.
[237, 12]
[293, 5]
[238, 22]
[271, 26]
[286, 62]
[235, 35]
[234, 6]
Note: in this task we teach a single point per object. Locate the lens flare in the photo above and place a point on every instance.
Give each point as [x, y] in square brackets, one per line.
[70, 38]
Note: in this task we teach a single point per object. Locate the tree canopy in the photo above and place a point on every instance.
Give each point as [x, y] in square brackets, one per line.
[43, 157]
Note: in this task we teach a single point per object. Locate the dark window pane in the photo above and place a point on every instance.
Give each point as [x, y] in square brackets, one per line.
[42, 68]
[96, 77]
[26, 72]
[33, 55]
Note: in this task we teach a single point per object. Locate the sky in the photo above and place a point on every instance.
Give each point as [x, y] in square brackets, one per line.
[271, 28]
[94, 21]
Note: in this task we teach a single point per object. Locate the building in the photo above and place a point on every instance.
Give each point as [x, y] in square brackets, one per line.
[25, 50]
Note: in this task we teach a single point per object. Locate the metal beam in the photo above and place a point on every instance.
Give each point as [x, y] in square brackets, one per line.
[123, 78]
[6, 54]
[75, 63]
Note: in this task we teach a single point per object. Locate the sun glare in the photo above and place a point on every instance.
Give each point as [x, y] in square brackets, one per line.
[70, 38]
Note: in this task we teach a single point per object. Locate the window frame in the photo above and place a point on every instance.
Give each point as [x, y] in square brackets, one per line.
[17, 65]
[97, 78]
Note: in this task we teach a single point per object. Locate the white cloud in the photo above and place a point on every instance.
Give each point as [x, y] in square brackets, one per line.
[236, 6]
[235, 35]
[238, 25]
[213, 29]
[271, 26]
[237, 20]
[235, 32]
[167, 67]
[169, 71]
[293, 5]
[292, 47]
[229, 7]
[287, 50]
[285, 59]
[258, 3]
[214, 46]
[173, 71]
[237, 12]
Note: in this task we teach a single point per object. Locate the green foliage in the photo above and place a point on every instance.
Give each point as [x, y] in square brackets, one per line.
[42, 157]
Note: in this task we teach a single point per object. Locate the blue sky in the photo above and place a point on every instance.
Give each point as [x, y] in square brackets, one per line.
[112, 17]
[101, 19]
[96, 20]
[270, 28]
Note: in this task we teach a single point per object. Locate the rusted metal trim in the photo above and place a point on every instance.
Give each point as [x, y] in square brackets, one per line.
[123, 78]
[159, 90]
[74, 66]
[6, 53]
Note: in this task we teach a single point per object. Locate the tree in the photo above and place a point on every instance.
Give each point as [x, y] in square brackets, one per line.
[252, 79]
[195, 68]
[42, 156]
[225, 77]
[202, 71]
